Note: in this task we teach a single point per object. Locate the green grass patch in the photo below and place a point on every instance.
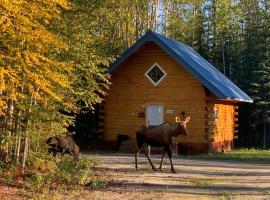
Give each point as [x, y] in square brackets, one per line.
[243, 155]
[225, 196]
[198, 182]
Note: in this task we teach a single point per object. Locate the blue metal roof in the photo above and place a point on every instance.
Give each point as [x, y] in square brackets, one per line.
[193, 62]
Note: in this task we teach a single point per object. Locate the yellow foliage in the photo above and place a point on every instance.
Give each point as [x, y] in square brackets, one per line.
[26, 61]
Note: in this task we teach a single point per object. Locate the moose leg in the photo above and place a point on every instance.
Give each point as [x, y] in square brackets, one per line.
[169, 151]
[149, 159]
[161, 162]
[54, 152]
[73, 155]
[136, 158]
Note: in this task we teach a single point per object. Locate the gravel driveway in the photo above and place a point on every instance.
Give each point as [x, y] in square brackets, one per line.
[195, 179]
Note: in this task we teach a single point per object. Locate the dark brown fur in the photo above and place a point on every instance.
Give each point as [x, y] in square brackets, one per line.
[63, 144]
[161, 135]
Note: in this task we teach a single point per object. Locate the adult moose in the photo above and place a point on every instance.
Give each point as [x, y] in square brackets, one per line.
[158, 136]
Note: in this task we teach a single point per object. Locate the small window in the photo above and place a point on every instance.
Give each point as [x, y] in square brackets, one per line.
[155, 74]
[215, 115]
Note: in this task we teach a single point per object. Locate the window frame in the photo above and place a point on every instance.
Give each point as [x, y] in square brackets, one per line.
[150, 79]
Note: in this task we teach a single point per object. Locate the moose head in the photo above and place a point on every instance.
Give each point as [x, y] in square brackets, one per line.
[182, 125]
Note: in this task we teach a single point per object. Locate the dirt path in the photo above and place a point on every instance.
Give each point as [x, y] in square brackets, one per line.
[195, 179]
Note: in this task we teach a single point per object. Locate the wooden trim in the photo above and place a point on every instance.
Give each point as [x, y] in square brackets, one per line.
[161, 69]
[226, 101]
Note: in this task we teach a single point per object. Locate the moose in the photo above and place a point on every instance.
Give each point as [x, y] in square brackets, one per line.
[158, 136]
[63, 144]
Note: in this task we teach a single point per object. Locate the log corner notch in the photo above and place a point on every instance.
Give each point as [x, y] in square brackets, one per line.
[101, 119]
[210, 122]
[236, 122]
[221, 123]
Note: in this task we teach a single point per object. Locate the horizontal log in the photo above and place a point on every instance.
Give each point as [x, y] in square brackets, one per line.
[236, 125]
[209, 117]
[100, 130]
[210, 122]
[102, 112]
[101, 124]
[210, 130]
[235, 137]
[235, 113]
[101, 116]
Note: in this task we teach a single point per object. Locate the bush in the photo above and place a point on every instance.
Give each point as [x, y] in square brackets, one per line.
[2, 167]
[10, 175]
[72, 172]
[47, 169]
[98, 184]
[37, 179]
[43, 169]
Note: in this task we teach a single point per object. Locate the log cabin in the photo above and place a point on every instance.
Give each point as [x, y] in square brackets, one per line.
[159, 78]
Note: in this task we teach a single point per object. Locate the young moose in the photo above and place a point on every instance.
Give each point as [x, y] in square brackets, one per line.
[63, 144]
[160, 135]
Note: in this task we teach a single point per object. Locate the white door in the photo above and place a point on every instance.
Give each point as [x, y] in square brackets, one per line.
[154, 114]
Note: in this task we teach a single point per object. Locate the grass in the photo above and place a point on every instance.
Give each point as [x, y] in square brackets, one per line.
[198, 182]
[225, 196]
[243, 155]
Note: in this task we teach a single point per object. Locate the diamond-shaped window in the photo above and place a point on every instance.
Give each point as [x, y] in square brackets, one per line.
[155, 74]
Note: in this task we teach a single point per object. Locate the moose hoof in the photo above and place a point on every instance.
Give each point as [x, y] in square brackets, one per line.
[155, 169]
[173, 171]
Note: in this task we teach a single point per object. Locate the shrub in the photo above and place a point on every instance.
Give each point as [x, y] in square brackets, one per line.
[37, 179]
[10, 173]
[2, 167]
[98, 184]
[72, 172]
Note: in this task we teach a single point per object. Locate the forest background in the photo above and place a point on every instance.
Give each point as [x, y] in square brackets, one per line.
[54, 56]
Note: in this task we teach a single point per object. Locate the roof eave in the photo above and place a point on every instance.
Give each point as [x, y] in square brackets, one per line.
[236, 99]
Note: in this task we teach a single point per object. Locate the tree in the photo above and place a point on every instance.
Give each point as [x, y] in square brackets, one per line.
[30, 75]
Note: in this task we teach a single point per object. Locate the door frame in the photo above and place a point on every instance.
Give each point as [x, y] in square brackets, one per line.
[153, 104]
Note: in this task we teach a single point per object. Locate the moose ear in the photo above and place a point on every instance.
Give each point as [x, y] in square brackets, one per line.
[187, 119]
[177, 119]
